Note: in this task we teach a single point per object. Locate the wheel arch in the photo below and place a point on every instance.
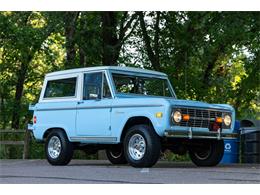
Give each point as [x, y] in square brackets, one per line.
[135, 120]
[48, 131]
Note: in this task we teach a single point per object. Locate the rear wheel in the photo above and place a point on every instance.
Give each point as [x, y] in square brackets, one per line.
[207, 152]
[58, 149]
[115, 154]
[142, 146]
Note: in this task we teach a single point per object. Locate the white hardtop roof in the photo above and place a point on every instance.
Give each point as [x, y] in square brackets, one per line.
[114, 68]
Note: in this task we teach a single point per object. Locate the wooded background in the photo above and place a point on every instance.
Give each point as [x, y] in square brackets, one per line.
[209, 56]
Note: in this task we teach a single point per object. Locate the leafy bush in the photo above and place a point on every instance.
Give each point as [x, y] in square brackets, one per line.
[174, 157]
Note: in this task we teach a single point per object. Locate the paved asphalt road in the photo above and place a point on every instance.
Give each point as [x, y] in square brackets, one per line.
[89, 171]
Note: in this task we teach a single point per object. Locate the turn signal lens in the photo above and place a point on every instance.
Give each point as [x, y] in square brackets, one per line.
[219, 120]
[186, 117]
[159, 114]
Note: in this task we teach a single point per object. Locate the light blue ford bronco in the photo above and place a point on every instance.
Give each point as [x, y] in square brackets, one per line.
[132, 113]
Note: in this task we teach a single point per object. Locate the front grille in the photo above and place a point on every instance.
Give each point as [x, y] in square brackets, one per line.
[199, 117]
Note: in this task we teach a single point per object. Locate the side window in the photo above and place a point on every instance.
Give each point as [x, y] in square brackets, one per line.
[93, 88]
[61, 88]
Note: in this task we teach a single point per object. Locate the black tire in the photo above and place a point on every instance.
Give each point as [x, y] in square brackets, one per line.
[115, 154]
[209, 153]
[152, 146]
[66, 148]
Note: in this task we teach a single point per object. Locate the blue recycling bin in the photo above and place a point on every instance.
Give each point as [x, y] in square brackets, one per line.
[231, 148]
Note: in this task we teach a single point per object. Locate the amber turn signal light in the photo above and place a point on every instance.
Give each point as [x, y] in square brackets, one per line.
[159, 114]
[186, 117]
[218, 120]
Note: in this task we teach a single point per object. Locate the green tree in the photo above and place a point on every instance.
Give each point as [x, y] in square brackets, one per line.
[22, 36]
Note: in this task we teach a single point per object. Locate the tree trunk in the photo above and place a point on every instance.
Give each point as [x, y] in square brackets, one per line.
[156, 38]
[70, 22]
[109, 38]
[153, 54]
[18, 96]
[211, 64]
[112, 38]
[82, 57]
[3, 112]
[83, 38]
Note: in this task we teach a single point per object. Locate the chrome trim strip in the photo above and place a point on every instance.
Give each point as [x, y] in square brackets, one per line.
[219, 134]
[92, 138]
[190, 133]
[97, 107]
[121, 106]
[52, 109]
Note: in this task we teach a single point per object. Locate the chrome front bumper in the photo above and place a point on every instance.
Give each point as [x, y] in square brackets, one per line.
[199, 135]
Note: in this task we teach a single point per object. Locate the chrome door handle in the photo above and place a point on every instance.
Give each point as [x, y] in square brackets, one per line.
[80, 102]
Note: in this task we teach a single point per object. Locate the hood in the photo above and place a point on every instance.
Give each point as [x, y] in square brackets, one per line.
[199, 104]
[177, 102]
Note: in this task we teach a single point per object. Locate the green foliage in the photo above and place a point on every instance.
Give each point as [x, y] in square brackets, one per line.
[169, 156]
[11, 151]
[36, 150]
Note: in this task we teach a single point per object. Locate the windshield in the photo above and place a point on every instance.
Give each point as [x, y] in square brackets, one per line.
[141, 85]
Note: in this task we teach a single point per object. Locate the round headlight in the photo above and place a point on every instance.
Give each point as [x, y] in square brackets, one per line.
[176, 116]
[227, 120]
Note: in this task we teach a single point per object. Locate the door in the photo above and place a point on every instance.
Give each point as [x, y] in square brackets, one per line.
[93, 111]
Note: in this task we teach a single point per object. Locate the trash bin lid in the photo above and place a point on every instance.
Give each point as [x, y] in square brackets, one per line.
[250, 123]
[244, 130]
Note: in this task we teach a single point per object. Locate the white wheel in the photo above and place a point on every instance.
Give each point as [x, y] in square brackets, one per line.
[137, 146]
[54, 147]
[142, 146]
[58, 149]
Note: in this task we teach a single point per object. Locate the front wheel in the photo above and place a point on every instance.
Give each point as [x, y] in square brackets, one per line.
[207, 152]
[58, 149]
[142, 146]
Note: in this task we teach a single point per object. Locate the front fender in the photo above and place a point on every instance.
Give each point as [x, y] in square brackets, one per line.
[120, 118]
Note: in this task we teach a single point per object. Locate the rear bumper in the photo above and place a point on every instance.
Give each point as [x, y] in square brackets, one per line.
[30, 127]
[199, 135]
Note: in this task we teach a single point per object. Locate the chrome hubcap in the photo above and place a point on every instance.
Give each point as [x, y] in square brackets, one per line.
[54, 147]
[137, 146]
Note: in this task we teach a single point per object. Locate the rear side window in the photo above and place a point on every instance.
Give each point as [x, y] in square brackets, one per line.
[61, 88]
